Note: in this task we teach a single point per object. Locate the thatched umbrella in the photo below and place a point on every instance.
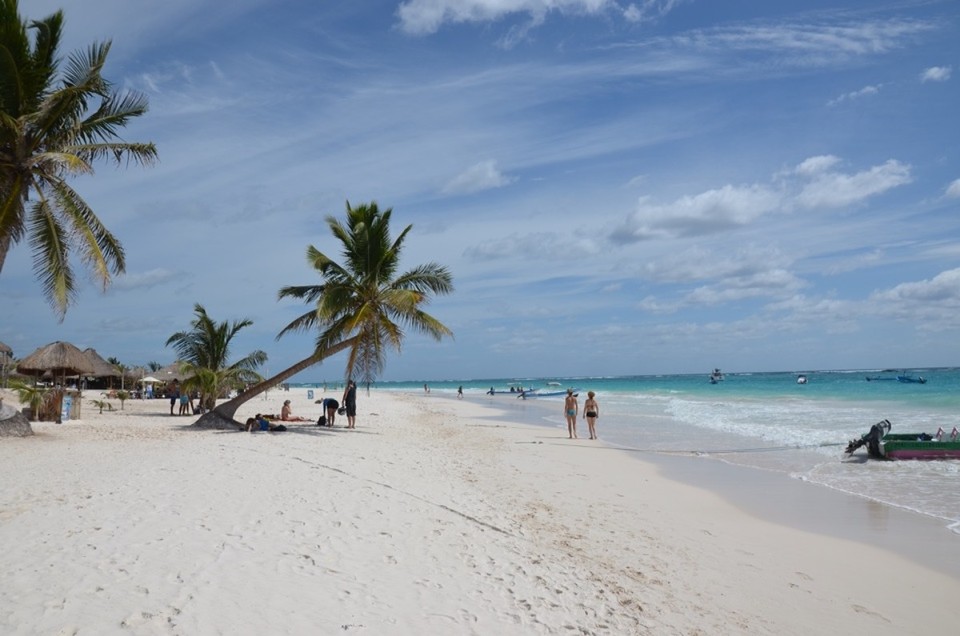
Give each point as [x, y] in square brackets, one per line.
[61, 359]
[101, 368]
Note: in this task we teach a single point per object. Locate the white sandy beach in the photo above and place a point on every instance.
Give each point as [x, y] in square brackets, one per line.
[429, 518]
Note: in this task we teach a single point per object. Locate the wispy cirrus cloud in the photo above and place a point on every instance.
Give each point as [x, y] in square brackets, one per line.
[423, 17]
[953, 190]
[866, 91]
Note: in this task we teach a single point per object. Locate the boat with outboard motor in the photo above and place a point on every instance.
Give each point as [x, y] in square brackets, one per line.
[909, 379]
[882, 444]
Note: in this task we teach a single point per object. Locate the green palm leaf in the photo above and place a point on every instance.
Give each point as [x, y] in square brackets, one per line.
[56, 121]
[362, 306]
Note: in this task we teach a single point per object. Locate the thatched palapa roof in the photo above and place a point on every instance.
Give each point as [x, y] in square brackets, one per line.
[101, 368]
[4, 349]
[170, 373]
[58, 357]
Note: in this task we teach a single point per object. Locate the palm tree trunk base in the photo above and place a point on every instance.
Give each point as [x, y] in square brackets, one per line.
[215, 420]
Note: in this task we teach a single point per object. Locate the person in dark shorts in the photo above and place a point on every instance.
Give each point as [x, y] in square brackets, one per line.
[173, 391]
[350, 403]
[330, 406]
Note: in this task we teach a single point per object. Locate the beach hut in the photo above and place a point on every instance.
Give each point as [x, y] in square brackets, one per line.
[60, 359]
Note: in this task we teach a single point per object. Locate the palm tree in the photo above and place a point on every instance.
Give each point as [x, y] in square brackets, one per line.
[55, 124]
[204, 354]
[361, 306]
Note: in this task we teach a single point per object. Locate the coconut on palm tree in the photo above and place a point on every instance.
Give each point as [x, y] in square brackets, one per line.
[362, 306]
[55, 123]
[204, 354]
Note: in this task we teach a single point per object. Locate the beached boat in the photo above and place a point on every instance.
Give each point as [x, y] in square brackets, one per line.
[882, 444]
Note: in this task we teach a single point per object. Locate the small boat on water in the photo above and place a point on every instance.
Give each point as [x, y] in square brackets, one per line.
[716, 376]
[801, 379]
[909, 379]
[538, 393]
[879, 378]
[882, 444]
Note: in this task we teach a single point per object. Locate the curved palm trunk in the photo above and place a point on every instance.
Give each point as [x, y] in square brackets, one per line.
[222, 416]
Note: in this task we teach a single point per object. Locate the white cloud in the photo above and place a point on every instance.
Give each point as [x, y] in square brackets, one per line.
[953, 190]
[704, 213]
[806, 44]
[866, 91]
[145, 280]
[813, 183]
[482, 176]
[944, 288]
[930, 305]
[835, 189]
[936, 74]
[816, 165]
[423, 17]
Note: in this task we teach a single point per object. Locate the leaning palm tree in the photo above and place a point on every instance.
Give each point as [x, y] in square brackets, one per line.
[55, 124]
[204, 354]
[361, 306]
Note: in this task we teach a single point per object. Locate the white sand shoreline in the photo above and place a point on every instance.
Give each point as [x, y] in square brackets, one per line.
[779, 498]
[426, 519]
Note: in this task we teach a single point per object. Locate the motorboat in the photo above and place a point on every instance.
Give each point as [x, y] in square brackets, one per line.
[909, 379]
[882, 444]
[801, 379]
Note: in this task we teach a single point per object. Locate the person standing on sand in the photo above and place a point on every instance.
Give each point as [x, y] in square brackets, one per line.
[591, 411]
[350, 403]
[460, 392]
[570, 410]
[174, 393]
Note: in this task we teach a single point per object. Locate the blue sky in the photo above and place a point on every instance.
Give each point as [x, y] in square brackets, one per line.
[618, 187]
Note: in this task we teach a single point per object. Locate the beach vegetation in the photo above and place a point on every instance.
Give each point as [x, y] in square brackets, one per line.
[57, 119]
[103, 404]
[123, 396]
[363, 306]
[204, 355]
[38, 397]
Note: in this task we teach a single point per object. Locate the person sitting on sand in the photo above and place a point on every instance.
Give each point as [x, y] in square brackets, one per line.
[286, 414]
[259, 422]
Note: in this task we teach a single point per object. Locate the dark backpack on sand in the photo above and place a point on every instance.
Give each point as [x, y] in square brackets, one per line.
[322, 421]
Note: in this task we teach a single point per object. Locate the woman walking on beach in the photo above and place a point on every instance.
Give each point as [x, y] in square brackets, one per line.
[350, 403]
[591, 411]
[570, 409]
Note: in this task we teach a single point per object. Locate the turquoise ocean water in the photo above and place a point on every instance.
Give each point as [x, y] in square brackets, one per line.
[761, 420]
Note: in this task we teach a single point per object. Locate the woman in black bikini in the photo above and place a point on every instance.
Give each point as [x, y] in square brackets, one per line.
[591, 411]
